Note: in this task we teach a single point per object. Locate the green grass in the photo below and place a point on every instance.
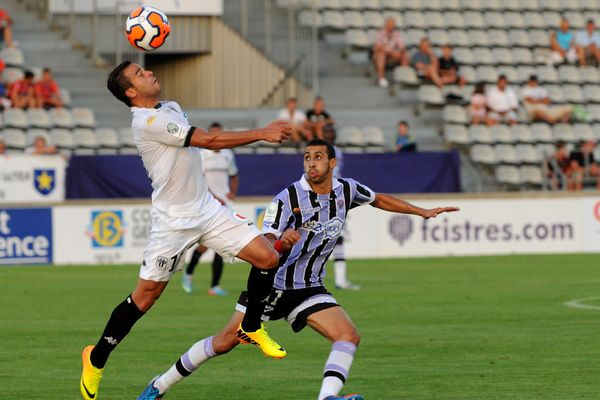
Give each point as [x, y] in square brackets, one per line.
[440, 328]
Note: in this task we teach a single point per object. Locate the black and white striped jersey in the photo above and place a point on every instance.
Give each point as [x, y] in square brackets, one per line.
[320, 220]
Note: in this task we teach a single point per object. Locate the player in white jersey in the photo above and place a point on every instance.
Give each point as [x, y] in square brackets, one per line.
[221, 174]
[309, 215]
[339, 251]
[183, 211]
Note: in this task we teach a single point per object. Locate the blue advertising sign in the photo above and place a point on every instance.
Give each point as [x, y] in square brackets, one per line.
[25, 236]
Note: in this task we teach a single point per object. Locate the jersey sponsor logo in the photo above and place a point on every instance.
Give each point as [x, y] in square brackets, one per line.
[400, 227]
[107, 229]
[25, 236]
[150, 120]
[44, 180]
[331, 228]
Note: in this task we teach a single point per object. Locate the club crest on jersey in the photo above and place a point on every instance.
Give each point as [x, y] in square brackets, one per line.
[162, 262]
[270, 213]
[176, 130]
[330, 229]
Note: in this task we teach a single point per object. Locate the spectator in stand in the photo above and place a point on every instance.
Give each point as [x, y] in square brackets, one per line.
[6, 29]
[426, 63]
[40, 147]
[538, 105]
[559, 168]
[562, 44]
[587, 44]
[389, 49]
[449, 68]
[296, 119]
[2, 146]
[502, 103]
[583, 164]
[22, 92]
[404, 142]
[4, 101]
[317, 118]
[478, 105]
[48, 92]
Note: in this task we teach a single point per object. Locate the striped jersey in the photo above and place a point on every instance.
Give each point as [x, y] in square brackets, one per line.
[320, 220]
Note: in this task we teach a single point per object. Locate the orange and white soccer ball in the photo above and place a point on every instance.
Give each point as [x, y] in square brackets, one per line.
[147, 28]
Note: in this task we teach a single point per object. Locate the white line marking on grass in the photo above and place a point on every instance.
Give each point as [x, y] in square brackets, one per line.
[580, 303]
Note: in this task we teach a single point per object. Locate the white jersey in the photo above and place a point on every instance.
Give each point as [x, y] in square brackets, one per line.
[218, 167]
[162, 135]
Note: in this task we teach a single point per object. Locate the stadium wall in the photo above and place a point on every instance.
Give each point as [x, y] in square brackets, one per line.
[234, 74]
[108, 232]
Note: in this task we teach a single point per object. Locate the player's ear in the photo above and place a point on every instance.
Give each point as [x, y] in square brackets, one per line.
[131, 93]
[332, 162]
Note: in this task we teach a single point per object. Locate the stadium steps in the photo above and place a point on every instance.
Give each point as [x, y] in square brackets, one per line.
[72, 69]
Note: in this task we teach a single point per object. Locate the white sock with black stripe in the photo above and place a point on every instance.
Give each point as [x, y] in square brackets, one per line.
[197, 355]
[337, 368]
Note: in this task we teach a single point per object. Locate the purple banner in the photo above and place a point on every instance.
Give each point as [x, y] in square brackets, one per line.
[268, 174]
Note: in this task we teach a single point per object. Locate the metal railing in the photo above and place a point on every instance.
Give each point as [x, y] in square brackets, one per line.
[275, 31]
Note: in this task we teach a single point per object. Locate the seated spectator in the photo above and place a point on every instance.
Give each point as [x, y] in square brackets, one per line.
[404, 143]
[559, 168]
[584, 165]
[538, 105]
[4, 101]
[449, 68]
[22, 93]
[562, 44]
[478, 105]
[48, 92]
[502, 103]
[388, 49]
[40, 147]
[587, 44]
[295, 118]
[317, 118]
[426, 63]
[2, 146]
[6, 29]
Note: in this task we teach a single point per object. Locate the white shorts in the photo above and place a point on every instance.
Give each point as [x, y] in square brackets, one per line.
[226, 232]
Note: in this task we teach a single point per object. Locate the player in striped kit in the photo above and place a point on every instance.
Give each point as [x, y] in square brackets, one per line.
[307, 218]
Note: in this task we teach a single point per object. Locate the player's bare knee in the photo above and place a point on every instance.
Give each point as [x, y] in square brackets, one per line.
[351, 336]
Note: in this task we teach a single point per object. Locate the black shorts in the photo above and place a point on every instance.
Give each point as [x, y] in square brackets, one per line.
[293, 305]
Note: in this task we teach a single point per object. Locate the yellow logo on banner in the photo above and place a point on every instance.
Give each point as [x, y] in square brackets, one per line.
[107, 227]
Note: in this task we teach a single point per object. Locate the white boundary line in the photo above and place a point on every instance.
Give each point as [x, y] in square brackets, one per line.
[580, 303]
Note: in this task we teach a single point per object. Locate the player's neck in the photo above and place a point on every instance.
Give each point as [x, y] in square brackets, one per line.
[322, 187]
[149, 102]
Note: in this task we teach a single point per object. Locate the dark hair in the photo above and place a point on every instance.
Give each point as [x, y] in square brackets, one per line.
[502, 77]
[118, 83]
[321, 142]
[215, 125]
[479, 88]
[46, 69]
[533, 78]
[292, 99]
[28, 75]
[403, 122]
[590, 21]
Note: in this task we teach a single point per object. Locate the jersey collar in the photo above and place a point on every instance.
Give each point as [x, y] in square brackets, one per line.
[306, 186]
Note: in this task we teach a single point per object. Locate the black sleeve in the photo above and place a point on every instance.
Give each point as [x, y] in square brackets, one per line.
[188, 137]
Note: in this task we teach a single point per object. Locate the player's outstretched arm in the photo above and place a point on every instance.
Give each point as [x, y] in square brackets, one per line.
[393, 204]
[275, 132]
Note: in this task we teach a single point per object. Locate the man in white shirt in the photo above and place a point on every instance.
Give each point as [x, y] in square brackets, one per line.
[587, 44]
[538, 105]
[296, 119]
[183, 213]
[221, 173]
[502, 102]
[388, 49]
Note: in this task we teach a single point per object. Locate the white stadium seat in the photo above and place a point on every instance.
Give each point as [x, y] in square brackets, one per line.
[480, 134]
[508, 174]
[506, 154]
[108, 137]
[61, 118]
[15, 138]
[84, 117]
[34, 133]
[455, 114]
[483, 154]
[39, 118]
[456, 134]
[15, 118]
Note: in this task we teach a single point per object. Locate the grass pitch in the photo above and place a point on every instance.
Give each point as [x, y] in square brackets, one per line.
[440, 328]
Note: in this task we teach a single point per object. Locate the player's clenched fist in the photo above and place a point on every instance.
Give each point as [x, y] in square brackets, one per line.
[289, 238]
[277, 131]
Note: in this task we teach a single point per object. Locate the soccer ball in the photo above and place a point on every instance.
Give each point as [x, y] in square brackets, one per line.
[147, 28]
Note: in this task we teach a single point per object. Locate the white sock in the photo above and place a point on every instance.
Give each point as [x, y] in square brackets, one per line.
[339, 269]
[337, 368]
[197, 355]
